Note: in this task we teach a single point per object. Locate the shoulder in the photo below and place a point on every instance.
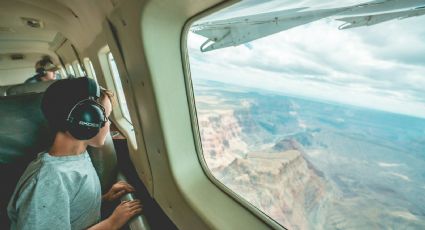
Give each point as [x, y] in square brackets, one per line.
[59, 173]
[32, 79]
[70, 171]
[41, 176]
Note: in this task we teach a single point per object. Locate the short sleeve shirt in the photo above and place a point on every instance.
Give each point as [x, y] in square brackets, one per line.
[56, 193]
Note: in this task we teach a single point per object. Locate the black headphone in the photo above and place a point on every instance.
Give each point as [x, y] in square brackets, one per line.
[87, 116]
[41, 71]
[43, 62]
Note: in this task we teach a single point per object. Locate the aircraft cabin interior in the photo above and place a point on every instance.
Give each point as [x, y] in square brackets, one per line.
[246, 114]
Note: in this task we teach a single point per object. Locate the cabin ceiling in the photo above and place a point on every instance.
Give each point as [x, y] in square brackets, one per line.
[79, 21]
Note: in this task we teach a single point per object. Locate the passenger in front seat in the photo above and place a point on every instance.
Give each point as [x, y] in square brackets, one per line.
[60, 188]
[45, 71]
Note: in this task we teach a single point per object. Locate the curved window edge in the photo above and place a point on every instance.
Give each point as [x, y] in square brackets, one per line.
[195, 126]
[117, 114]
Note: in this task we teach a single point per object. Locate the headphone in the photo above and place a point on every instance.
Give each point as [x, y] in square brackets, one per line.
[42, 64]
[87, 116]
[41, 71]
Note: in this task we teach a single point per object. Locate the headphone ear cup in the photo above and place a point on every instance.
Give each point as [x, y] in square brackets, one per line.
[41, 71]
[85, 120]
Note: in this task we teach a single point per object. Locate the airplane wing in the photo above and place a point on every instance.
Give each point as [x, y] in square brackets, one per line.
[239, 30]
[368, 20]
[236, 31]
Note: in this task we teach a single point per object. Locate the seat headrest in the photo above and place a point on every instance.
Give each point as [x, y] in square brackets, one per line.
[23, 129]
[25, 88]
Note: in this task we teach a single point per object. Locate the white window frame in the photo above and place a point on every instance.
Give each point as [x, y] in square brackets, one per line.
[117, 114]
[90, 69]
[77, 68]
[70, 69]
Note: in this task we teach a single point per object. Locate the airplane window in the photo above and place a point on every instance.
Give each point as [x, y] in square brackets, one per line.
[59, 73]
[77, 66]
[118, 87]
[80, 70]
[315, 114]
[70, 70]
[89, 67]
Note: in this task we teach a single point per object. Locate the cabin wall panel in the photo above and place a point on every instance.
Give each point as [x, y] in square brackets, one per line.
[136, 146]
[66, 53]
[153, 60]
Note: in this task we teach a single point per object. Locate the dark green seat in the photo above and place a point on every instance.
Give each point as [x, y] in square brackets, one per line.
[26, 88]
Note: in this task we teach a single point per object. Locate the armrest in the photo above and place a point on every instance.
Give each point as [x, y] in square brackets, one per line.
[138, 222]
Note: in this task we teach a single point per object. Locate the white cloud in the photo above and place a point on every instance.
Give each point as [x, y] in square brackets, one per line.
[381, 67]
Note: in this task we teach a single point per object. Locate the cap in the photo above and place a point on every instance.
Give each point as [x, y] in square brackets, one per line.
[46, 64]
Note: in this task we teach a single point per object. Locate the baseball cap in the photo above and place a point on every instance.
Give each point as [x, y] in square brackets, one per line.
[46, 64]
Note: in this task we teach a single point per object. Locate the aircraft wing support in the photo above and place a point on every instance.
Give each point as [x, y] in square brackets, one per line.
[368, 20]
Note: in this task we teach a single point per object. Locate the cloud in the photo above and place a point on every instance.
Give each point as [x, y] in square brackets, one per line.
[394, 40]
[381, 66]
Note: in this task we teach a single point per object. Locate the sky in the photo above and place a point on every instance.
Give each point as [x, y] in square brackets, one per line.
[380, 67]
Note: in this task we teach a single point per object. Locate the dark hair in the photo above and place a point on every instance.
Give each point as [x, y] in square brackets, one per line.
[62, 96]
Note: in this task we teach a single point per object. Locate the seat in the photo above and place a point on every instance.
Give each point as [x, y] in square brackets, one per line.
[3, 90]
[24, 88]
[24, 133]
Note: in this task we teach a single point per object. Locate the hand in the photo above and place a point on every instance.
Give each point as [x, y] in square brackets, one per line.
[118, 189]
[123, 212]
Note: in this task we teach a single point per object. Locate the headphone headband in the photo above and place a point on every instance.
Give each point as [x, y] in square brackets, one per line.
[93, 88]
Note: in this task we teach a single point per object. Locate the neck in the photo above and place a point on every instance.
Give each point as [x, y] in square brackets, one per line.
[66, 145]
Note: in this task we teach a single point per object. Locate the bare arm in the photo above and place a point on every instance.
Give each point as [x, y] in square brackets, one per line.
[103, 225]
[122, 213]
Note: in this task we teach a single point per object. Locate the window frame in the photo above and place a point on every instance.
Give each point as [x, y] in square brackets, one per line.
[195, 125]
[91, 72]
[77, 68]
[70, 70]
[122, 101]
[118, 117]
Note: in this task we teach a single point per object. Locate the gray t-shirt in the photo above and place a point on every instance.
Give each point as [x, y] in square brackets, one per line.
[56, 193]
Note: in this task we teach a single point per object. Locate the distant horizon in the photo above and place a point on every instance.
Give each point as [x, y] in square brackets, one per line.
[304, 97]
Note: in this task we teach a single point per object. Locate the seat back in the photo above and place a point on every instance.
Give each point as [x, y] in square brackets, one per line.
[24, 132]
[25, 88]
[3, 90]
[23, 129]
